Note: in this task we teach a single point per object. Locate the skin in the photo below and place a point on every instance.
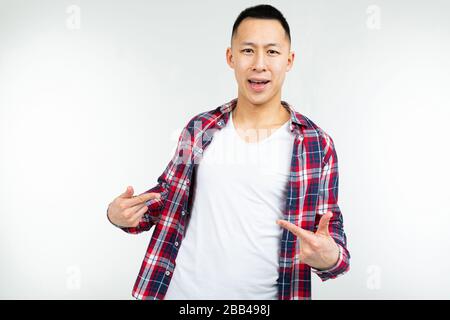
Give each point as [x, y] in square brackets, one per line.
[317, 249]
[260, 110]
[127, 210]
[254, 111]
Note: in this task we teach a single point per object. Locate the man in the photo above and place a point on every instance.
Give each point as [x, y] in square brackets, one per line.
[247, 229]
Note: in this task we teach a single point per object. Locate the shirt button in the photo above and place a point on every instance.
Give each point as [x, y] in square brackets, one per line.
[176, 243]
[183, 213]
[167, 273]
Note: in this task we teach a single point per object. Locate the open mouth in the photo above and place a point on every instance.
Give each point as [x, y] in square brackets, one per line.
[258, 82]
[258, 86]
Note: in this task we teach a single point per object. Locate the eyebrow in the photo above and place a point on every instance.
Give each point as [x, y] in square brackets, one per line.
[253, 44]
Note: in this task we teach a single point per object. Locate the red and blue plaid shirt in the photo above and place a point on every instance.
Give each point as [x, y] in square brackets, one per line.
[312, 191]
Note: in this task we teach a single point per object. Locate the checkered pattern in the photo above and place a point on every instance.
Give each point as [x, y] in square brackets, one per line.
[313, 190]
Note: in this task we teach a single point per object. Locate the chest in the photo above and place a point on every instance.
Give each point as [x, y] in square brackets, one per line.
[230, 162]
[288, 166]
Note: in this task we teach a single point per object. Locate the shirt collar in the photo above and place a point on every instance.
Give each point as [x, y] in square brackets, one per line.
[296, 121]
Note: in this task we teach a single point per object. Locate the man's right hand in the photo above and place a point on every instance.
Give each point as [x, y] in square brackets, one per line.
[127, 210]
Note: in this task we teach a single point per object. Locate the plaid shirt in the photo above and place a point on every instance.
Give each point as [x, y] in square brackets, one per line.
[312, 191]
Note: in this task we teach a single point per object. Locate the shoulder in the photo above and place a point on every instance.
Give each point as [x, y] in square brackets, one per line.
[204, 119]
[313, 132]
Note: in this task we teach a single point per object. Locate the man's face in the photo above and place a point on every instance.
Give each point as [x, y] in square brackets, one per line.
[260, 50]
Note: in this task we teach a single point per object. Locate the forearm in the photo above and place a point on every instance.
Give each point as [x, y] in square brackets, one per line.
[328, 201]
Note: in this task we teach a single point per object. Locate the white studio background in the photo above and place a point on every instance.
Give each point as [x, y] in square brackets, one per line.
[93, 95]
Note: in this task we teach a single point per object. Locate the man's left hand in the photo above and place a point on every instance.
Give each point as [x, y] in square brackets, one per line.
[318, 250]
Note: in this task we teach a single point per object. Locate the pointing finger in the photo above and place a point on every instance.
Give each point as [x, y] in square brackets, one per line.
[302, 233]
[144, 197]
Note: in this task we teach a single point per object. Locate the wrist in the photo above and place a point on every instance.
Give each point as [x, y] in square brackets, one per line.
[334, 259]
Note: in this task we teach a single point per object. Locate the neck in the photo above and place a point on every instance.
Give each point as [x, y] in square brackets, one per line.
[269, 114]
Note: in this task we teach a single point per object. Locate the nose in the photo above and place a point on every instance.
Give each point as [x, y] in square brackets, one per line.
[259, 64]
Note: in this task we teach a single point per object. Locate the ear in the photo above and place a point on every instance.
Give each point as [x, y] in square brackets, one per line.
[229, 57]
[291, 58]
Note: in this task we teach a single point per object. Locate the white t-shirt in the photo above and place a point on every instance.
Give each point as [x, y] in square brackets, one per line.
[232, 242]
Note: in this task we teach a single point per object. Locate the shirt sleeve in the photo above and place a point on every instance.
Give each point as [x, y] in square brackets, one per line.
[152, 215]
[333, 271]
[328, 201]
[155, 207]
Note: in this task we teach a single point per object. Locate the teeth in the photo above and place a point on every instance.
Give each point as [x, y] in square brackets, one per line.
[259, 82]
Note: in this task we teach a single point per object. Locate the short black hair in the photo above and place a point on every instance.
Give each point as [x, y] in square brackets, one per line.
[262, 11]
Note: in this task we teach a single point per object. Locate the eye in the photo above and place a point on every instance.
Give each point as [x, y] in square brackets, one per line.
[273, 52]
[246, 50]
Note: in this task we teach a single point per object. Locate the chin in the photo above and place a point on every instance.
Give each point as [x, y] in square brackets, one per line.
[258, 99]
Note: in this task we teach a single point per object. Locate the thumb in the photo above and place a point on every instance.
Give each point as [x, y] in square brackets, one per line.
[323, 223]
[128, 193]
